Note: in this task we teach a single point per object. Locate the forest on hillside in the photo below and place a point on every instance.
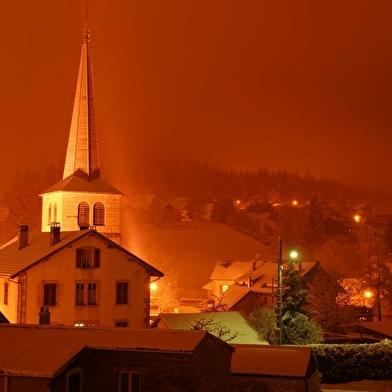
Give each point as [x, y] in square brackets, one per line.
[366, 257]
[174, 178]
[203, 181]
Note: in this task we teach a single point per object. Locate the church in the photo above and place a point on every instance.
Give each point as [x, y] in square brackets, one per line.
[75, 271]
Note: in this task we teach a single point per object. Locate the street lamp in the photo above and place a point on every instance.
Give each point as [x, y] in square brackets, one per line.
[293, 255]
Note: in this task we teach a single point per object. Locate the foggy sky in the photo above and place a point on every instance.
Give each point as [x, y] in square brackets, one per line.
[301, 85]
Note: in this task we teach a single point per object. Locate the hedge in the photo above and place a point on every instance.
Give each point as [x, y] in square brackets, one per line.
[338, 363]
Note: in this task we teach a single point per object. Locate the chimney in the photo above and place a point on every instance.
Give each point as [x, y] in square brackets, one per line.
[54, 233]
[23, 235]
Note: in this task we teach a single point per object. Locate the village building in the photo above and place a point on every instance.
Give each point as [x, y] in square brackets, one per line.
[75, 271]
[248, 284]
[73, 278]
[60, 359]
[274, 368]
[82, 199]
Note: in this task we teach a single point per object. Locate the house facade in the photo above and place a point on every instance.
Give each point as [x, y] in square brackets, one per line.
[247, 285]
[77, 278]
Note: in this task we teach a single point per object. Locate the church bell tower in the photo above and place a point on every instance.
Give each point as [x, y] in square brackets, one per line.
[83, 200]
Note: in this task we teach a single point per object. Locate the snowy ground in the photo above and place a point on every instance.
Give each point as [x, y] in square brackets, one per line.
[192, 252]
[359, 386]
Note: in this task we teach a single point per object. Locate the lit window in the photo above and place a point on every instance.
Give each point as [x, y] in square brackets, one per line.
[6, 288]
[50, 294]
[129, 382]
[122, 293]
[88, 257]
[99, 214]
[83, 215]
[88, 323]
[224, 287]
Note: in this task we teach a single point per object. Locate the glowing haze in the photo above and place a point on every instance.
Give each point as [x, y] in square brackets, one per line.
[304, 86]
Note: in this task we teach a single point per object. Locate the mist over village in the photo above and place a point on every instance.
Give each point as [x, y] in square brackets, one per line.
[209, 210]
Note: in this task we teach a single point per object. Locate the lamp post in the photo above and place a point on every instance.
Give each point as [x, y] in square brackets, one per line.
[280, 288]
[293, 254]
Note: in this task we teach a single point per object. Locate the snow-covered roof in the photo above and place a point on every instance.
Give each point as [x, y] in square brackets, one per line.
[233, 321]
[14, 260]
[241, 271]
[282, 361]
[78, 184]
[42, 351]
[377, 327]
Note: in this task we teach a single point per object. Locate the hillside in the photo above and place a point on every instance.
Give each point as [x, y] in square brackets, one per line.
[193, 252]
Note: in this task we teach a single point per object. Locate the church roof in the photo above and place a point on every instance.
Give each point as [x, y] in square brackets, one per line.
[82, 153]
[75, 183]
[13, 260]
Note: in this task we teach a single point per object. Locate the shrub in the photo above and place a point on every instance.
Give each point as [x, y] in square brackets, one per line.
[339, 363]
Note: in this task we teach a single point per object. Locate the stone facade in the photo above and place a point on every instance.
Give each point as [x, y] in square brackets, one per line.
[62, 207]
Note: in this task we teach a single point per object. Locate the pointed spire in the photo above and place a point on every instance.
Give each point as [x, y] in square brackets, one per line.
[82, 153]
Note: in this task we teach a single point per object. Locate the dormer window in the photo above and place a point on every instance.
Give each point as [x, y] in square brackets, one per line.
[83, 215]
[88, 257]
[99, 214]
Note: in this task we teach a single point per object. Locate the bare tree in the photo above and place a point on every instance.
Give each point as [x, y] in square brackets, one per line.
[215, 328]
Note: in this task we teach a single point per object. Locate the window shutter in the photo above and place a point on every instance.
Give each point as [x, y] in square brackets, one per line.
[79, 257]
[97, 258]
[99, 214]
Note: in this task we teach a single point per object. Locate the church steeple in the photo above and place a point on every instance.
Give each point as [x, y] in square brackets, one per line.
[82, 157]
[82, 199]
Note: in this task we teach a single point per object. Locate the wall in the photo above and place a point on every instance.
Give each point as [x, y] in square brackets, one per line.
[9, 310]
[206, 370]
[23, 384]
[60, 268]
[273, 384]
[67, 210]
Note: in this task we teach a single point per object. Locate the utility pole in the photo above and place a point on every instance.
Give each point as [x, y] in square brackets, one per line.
[280, 289]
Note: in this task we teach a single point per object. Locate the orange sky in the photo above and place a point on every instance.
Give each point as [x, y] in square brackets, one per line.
[299, 85]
